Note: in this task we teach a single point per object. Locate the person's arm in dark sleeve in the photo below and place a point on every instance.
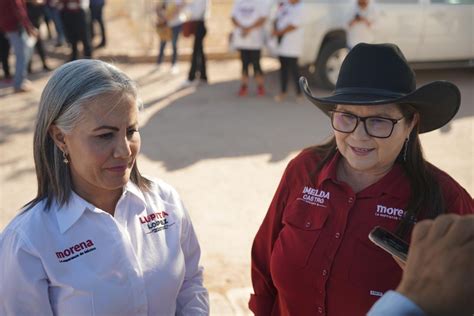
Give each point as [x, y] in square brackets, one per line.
[22, 16]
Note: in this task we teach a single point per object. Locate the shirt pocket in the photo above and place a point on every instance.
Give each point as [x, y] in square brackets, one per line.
[373, 269]
[303, 223]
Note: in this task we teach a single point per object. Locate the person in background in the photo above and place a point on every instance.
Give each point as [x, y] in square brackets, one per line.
[4, 53]
[169, 13]
[20, 32]
[51, 10]
[443, 287]
[75, 17]
[99, 238]
[361, 24]
[35, 9]
[312, 254]
[97, 10]
[287, 28]
[248, 17]
[197, 12]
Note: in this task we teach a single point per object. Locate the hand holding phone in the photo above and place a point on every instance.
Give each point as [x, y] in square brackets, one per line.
[389, 242]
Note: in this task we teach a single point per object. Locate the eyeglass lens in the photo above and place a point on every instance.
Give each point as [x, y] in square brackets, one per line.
[374, 126]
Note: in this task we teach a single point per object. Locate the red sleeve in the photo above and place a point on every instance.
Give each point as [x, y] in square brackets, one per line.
[456, 199]
[21, 14]
[261, 303]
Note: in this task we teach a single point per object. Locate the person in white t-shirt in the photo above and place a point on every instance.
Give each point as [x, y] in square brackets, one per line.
[288, 30]
[99, 238]
[248, 17]
[361, 23]
[169, 13]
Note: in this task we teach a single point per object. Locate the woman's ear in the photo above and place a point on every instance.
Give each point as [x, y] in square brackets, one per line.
[414, 122]
[58, 137]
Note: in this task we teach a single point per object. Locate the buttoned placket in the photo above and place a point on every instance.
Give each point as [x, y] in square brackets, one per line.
[139, 283]
[336, 242]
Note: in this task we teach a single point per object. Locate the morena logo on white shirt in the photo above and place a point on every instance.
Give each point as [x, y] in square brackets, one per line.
[155, 222]
[77, 250]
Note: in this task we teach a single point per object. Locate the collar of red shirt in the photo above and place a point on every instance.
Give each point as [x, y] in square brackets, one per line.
[394, 183]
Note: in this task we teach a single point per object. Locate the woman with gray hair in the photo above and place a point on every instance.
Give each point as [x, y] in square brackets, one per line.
[99, 238]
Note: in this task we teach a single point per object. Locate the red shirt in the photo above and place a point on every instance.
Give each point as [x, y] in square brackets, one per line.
[312, 255]
[13, 15]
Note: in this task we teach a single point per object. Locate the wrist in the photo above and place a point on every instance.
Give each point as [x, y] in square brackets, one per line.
[411, 292]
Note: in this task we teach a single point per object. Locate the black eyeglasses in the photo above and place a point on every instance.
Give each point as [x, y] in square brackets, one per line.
[375, 126]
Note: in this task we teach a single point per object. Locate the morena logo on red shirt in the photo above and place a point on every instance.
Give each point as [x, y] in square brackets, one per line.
[315, 196]
[389, 212]
[75, 251]
[156, 222]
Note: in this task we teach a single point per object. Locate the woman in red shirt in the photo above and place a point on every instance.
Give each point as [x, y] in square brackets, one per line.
[312, 255]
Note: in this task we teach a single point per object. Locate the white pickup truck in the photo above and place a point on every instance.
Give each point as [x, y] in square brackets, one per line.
[431, 33]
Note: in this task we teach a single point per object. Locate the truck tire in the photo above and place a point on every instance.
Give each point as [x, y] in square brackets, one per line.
[329, 62]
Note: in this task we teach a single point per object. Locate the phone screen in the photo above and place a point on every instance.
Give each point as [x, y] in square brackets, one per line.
[389, 242]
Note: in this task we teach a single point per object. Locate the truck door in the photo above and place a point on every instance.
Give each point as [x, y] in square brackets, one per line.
[448, 30]
[399, 22]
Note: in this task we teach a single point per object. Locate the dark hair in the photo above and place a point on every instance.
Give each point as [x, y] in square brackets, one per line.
[426, 199]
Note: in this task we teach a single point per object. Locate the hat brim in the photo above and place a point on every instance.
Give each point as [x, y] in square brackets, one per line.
[437, 102]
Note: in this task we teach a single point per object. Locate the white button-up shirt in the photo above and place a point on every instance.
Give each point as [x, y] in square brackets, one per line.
[79, 260]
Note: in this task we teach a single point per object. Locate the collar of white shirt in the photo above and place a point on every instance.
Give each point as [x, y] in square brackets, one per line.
[76, 206]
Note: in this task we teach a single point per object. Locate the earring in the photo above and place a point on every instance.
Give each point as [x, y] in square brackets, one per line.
[65, 160]
[405, 149]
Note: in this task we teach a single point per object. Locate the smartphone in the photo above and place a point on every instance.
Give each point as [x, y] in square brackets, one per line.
[389, 242]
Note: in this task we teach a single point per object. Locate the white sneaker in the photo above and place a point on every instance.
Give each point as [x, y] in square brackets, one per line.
[174, 69]
[186, 83]
[26, 86]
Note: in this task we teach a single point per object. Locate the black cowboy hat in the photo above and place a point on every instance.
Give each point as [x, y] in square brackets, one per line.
[375, 74]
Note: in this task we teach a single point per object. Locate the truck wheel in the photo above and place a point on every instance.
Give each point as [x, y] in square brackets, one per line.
[329, 62]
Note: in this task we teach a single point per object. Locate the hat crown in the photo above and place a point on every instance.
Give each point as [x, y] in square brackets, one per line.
[376, 67]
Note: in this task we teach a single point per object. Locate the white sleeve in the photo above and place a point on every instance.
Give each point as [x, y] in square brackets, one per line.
[23, 281]
[297, 16]
[350, 14]
[193, 298]
[372, 14]
[234, 9]
[395, 304]
[264, 9]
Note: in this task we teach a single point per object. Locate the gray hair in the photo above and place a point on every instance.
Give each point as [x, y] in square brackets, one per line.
[70, 88]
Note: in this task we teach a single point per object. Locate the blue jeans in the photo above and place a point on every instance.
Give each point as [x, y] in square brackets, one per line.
[18, 40]
[53, 14]
[174, 42]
